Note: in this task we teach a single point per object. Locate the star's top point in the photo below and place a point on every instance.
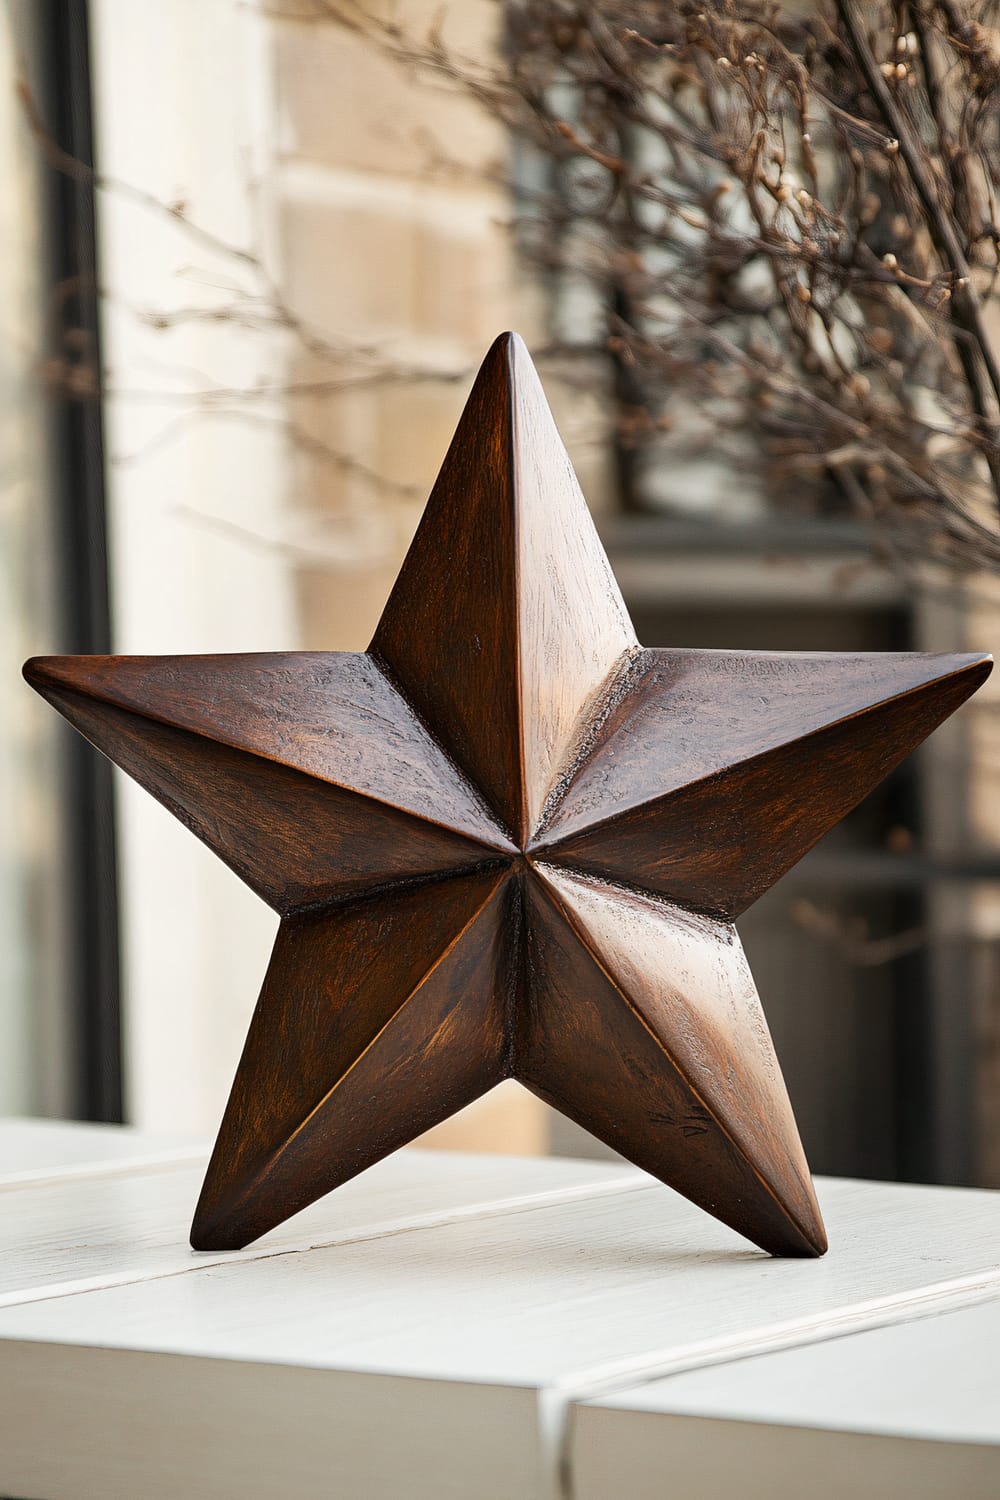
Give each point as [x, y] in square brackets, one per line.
[505, 621]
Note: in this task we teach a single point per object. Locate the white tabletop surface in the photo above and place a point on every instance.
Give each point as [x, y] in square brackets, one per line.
[445, 1325]
[30, 1149]
[909, 1410]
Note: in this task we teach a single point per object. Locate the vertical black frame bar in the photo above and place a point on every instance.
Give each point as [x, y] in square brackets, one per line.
[916, 1082]
[82, 562]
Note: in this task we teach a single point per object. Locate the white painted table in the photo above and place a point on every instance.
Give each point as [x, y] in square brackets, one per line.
[483, 1328]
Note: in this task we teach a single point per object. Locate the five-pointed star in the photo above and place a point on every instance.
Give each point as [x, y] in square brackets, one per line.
[509, 842]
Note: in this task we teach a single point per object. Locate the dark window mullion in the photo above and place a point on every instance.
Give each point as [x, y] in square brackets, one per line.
[82, 562]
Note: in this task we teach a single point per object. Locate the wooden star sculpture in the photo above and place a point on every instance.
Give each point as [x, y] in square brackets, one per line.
[508, 842]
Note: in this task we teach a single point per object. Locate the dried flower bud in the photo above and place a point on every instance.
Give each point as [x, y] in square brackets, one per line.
[722, 62]
[804, 198]
[887, 69]
[901, 70]
[783, 193]
[891, 146]
[961, 283]
[803, 293]
[901, 44]
[889, 261]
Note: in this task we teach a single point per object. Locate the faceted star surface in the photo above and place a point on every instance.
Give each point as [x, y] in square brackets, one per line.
[506, 841]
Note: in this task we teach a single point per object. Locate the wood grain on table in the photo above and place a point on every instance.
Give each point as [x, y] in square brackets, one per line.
[910, 1411]
[429, 1331]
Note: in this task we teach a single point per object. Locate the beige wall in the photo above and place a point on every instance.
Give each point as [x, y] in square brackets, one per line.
[244, 520]
[383, 248]
[181, 114]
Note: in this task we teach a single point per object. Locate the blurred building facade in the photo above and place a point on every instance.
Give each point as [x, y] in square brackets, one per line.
[305, 251]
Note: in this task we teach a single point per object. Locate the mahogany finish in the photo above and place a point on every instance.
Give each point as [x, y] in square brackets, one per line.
[508, 842]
